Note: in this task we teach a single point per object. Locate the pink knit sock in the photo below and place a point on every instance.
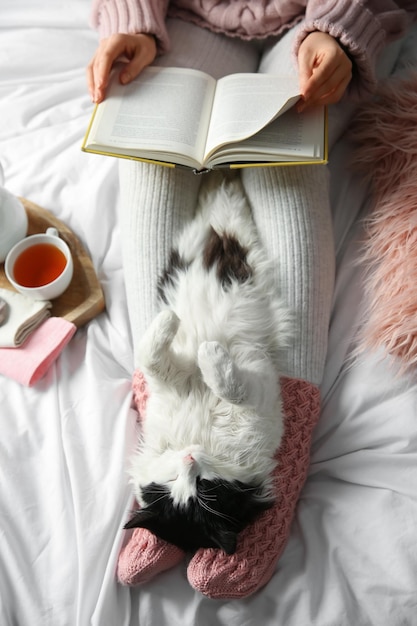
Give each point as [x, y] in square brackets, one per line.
[217, 575]
[210, 571]
[144, 555]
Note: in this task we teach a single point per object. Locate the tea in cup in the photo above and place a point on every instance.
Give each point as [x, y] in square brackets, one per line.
[40, 266]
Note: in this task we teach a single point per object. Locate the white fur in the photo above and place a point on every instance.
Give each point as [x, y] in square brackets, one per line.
[211, 360]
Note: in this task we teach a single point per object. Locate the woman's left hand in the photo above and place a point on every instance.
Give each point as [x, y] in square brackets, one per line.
[325, 70]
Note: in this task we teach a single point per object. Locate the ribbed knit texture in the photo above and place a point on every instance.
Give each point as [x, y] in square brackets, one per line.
[260, 545]
[294, 223]
[291, 209]
[155, 201]
[131, 16]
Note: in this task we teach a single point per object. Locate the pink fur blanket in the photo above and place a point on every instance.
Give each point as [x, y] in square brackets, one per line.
[386, 132]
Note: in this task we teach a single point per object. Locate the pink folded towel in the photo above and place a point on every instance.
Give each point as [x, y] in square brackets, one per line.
[30, 361]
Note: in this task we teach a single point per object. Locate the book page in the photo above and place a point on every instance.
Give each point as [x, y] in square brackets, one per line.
[292, 136]
[162, 110]
[245, 103]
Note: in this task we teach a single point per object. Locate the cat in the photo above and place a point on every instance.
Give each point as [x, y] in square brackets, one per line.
[203, 468]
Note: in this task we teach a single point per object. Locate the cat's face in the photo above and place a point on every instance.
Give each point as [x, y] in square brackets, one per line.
[189, 505]
[178, 472]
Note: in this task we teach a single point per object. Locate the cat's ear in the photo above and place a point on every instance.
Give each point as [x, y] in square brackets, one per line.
[226, 540]
[140, 519]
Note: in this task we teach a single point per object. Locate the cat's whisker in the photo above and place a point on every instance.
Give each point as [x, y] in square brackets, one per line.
[248, 489]
[213, 511]
[213, 498]
[241, 488]
[163, 496]
[207, 490]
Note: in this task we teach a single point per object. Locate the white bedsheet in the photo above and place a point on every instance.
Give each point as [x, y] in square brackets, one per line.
[352, 555]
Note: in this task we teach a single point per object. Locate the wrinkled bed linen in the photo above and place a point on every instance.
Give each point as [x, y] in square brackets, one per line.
[64, 496]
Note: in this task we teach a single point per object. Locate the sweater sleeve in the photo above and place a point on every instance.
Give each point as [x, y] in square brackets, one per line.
[363, 28]
[131, 16]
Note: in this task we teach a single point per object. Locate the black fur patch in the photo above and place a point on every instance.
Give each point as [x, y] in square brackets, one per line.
[229, 256]
[213, 519]
[175, 265]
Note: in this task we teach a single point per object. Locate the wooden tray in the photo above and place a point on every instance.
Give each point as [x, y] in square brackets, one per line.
[84, 298]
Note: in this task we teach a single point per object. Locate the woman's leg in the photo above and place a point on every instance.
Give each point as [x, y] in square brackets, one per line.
[157, 201]
[291, 209]
[155, 204]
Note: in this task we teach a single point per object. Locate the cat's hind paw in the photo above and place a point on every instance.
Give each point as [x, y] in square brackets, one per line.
[220, 373]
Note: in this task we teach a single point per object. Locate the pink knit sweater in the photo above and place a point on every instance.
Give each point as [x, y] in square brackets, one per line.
[363, 27]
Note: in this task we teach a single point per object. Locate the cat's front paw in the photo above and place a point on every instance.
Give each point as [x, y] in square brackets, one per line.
[220, 373]
[166, 324]
[155, 344]
[163, 328]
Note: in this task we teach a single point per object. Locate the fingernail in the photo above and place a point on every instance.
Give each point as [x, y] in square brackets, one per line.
[301, 104]
[124, 78]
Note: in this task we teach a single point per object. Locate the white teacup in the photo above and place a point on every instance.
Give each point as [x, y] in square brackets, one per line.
[40, 266]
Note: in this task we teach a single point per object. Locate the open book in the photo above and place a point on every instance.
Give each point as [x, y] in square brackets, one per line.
[185, 117]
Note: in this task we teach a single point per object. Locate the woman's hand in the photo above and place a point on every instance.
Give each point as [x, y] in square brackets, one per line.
[138, 49]
[325, 70]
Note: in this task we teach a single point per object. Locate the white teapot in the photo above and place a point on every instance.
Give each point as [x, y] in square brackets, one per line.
[13, 222]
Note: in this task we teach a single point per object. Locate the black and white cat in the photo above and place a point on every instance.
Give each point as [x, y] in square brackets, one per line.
[213, 424]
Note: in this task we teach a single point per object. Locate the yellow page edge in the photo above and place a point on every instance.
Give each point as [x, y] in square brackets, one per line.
[323, 161]
[232, 166]
[128, 157]
[115, 154]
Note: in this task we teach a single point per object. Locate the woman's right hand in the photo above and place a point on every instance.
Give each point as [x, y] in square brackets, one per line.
[140, 51]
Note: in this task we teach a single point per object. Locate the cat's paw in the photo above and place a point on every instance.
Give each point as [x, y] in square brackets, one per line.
[157, 340]
[166, 324]
[163, 328]
[220, 373]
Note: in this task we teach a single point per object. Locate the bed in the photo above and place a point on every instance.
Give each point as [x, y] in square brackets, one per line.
[64, 496]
